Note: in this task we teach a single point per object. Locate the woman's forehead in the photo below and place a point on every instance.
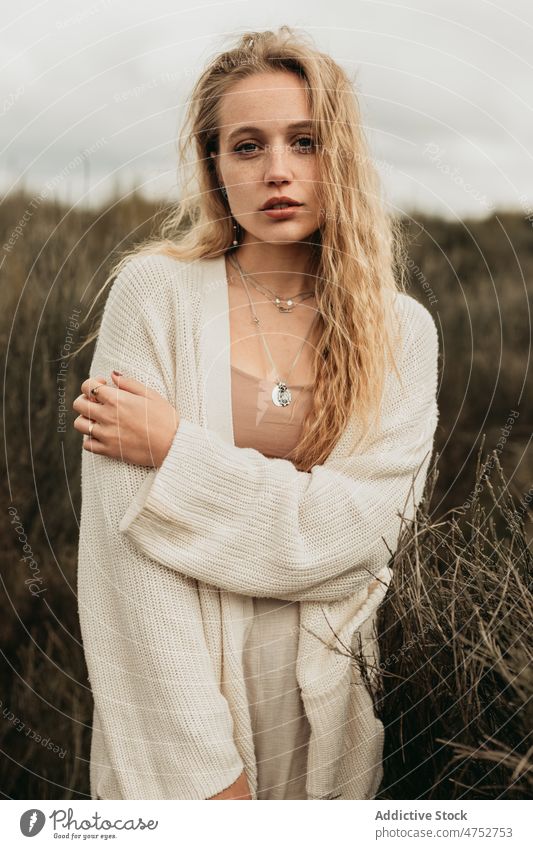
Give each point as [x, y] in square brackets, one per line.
[264, 105]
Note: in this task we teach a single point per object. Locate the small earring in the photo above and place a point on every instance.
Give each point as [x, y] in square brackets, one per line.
[235, 239]
[223, 190]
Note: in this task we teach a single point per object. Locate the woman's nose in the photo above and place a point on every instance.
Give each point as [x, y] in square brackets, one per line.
[278, 167]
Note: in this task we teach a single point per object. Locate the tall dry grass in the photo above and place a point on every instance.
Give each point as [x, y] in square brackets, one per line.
[455, 629]
[456, 652]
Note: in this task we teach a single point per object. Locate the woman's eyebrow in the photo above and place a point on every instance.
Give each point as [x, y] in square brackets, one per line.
[247, 128]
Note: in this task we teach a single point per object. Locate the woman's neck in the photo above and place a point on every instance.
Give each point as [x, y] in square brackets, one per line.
[281, 268]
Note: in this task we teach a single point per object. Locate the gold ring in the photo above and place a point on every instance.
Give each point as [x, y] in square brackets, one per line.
[95, 390]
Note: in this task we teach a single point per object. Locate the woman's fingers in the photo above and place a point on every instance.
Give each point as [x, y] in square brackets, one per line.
[129, 384]
[120, 382]
[88, 408]
[128, 419]
[90, 431]
[87, 427]
[93, 383]
[94, 446]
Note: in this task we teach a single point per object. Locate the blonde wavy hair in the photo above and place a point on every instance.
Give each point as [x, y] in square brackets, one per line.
[353, 253]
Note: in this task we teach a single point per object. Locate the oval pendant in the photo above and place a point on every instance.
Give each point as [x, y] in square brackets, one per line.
[281, 395]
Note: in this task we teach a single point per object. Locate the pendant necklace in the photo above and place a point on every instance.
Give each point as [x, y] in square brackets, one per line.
[281, 394]
[284, 305]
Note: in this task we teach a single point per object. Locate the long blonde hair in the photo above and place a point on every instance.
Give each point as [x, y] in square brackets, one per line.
[353, 254]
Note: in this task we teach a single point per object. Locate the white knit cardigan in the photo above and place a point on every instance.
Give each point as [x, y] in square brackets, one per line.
[170, 558]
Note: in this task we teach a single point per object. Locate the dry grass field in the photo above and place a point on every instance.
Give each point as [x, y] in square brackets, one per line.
[455, 628]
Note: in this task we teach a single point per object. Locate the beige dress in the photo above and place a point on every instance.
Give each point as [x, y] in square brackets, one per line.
[279, 724]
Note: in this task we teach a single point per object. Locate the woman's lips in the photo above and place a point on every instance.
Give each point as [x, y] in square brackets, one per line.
[282, 213]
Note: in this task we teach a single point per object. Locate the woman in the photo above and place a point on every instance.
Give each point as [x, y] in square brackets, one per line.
[259, 425]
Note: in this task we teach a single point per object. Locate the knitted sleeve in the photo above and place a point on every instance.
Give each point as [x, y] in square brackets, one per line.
[164, 729]
[254, 525]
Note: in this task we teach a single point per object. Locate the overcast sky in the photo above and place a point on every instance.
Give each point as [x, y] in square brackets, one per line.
[91, 93]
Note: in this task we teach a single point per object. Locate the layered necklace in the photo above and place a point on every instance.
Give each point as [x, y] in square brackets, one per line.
[281, 394]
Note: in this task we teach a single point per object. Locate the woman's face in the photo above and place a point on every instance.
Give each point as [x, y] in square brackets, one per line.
[262, 154]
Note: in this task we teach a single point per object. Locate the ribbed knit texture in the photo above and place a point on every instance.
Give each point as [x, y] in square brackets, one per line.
[170, 558]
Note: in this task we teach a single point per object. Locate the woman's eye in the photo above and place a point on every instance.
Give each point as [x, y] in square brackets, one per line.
[308, 147]
[240, 148]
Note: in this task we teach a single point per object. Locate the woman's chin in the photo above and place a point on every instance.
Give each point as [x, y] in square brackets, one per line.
[285, 235]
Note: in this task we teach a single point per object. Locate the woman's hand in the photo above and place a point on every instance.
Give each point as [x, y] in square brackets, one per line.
[238, 790]
[126, 420]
